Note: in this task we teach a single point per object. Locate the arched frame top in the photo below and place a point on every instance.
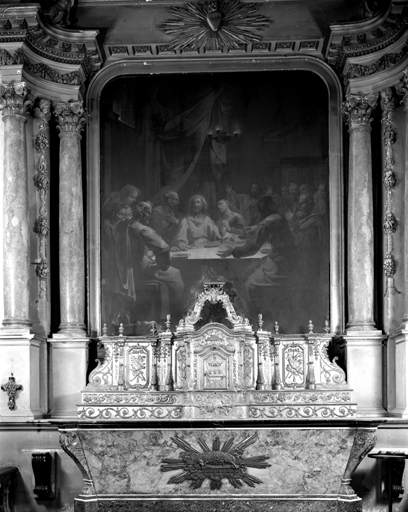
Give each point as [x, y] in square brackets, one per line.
[213, 65]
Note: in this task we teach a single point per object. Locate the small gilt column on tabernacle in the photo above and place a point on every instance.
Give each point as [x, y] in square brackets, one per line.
[15, 102]
[71, 121]
[357, 110]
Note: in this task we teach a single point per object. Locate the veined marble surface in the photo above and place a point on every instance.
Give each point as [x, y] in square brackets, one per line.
[303, 461]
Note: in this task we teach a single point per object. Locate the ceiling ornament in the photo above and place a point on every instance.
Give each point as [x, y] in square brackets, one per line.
[215, 25]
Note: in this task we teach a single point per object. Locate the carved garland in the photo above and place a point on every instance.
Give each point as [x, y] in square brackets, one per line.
[41, 227]
[389, 180]
[386, 61]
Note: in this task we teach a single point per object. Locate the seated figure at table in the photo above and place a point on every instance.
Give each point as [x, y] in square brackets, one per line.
[267, 283]
[166, 218]
[197, 228]
[149, 261]
[229, 221]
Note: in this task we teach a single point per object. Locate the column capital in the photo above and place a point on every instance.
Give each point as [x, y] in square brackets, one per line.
[71, 117]
[15, 99]
[357, 109]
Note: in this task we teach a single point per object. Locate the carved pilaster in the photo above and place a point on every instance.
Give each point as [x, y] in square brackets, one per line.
[15, 101]
[42, 112]
[357, 110]
[402, 90]
[71, 121]
[389, 180]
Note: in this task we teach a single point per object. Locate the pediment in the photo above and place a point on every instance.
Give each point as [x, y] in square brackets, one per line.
[213, 294]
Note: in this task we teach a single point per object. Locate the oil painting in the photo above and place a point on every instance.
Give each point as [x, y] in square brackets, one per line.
[215, 177]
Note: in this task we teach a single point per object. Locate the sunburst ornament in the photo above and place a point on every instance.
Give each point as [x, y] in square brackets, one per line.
[216, 463]
[215, 25]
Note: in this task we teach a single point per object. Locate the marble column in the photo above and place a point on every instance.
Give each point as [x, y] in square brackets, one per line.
[71, 120]
[15, 101]
[357, 111]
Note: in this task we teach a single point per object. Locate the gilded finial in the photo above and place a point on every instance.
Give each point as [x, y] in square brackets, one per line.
[168, 322]
[104, 330]
[260, 321]
[311, 327]
[326, 326]
[276, 328]
[121, 329]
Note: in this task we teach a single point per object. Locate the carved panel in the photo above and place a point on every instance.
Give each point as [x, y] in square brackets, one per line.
[138, 375]
[294, 366]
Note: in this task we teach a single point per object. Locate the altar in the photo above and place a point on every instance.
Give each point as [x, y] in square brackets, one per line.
[204, 416]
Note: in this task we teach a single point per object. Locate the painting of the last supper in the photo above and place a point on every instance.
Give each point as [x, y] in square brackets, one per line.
[215, 177]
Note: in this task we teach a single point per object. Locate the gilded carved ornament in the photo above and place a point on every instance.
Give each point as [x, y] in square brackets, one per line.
[389, 181]
[219, 462]
[11, 388]
[364, 442]
[357, 109]
[71, 117]
[214, 25]
[42, 112]
[71, 444]
[59, 13]
[402, 88]
[15, 99]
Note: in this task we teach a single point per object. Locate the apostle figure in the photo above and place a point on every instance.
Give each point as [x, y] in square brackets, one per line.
[151, 262]
[197, 228]
[265, 287]
[246, 204]
[166, 218]
[230, 221]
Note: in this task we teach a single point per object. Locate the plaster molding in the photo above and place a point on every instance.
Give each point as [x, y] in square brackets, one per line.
[370, 55]
[57, 63]
[268, 47]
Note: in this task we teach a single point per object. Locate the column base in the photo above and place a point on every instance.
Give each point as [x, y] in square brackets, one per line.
[365, 364]
[23, 355]
[16, 323]
[362, 330]
[69, 363]
[71, 331]
[397, 374]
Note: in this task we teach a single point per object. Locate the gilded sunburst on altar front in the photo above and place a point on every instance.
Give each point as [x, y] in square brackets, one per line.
[215, 25]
